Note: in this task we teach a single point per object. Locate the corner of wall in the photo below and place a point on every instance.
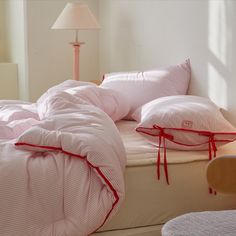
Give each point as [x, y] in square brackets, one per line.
[16, 45]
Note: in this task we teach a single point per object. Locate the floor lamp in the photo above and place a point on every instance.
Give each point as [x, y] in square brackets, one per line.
[76, 16]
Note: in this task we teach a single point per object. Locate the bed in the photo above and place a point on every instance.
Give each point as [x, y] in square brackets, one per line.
[63, 159]
[150, 203]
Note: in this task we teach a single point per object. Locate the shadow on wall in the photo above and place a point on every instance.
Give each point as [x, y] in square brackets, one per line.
[221, 60]
[148, 34]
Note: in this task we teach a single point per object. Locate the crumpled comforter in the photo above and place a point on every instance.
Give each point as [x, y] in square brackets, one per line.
[61, 162]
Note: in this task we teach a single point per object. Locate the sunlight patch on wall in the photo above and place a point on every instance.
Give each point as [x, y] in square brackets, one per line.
[217, 39]
[217, 87]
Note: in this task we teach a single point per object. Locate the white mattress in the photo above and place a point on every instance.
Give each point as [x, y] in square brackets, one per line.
[152, 202]
[140, 152]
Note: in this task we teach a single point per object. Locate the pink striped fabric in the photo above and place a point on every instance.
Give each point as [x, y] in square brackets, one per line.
[61, 174]
[141, 87]
[183, 122]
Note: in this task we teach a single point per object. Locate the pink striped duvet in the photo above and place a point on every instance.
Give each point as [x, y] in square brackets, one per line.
[61, 166]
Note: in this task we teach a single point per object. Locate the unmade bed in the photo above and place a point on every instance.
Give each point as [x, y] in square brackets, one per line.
[150, 203]
[62, 164]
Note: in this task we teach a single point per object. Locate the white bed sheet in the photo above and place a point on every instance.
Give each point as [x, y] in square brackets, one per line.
[140, 152]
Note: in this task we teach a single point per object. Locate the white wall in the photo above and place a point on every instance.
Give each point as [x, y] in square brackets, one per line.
[2, 28]
[16, 42]
[145, 34]
[8, 81]
[44, 56]
[50, 55]
[135, 35]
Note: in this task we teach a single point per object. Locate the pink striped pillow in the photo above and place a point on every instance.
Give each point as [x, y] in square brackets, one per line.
[185, 122]
[141, 87]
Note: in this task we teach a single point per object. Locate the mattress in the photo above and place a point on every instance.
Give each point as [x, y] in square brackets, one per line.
[151, 202]
[140, 152]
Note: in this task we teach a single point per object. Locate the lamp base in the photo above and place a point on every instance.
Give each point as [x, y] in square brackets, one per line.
[76, 46]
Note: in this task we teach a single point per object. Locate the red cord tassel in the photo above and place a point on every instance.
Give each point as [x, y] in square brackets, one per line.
[212, 147]
[165, 161]
[163, 136]
[159, 159]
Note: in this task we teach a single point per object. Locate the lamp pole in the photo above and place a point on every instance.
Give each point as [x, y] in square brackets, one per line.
[76, 16]
[76, 46]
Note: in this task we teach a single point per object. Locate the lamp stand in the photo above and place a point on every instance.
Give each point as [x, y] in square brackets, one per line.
[76, 46]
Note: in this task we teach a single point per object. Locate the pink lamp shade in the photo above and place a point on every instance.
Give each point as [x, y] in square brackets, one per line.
[76, 16]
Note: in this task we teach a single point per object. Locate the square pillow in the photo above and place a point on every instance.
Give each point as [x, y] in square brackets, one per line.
[185, 122]
[139, 88]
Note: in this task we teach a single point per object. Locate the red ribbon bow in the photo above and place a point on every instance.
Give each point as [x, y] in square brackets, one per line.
[162, 136]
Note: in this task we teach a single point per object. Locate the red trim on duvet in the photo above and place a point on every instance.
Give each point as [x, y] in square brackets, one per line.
[116, 196]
